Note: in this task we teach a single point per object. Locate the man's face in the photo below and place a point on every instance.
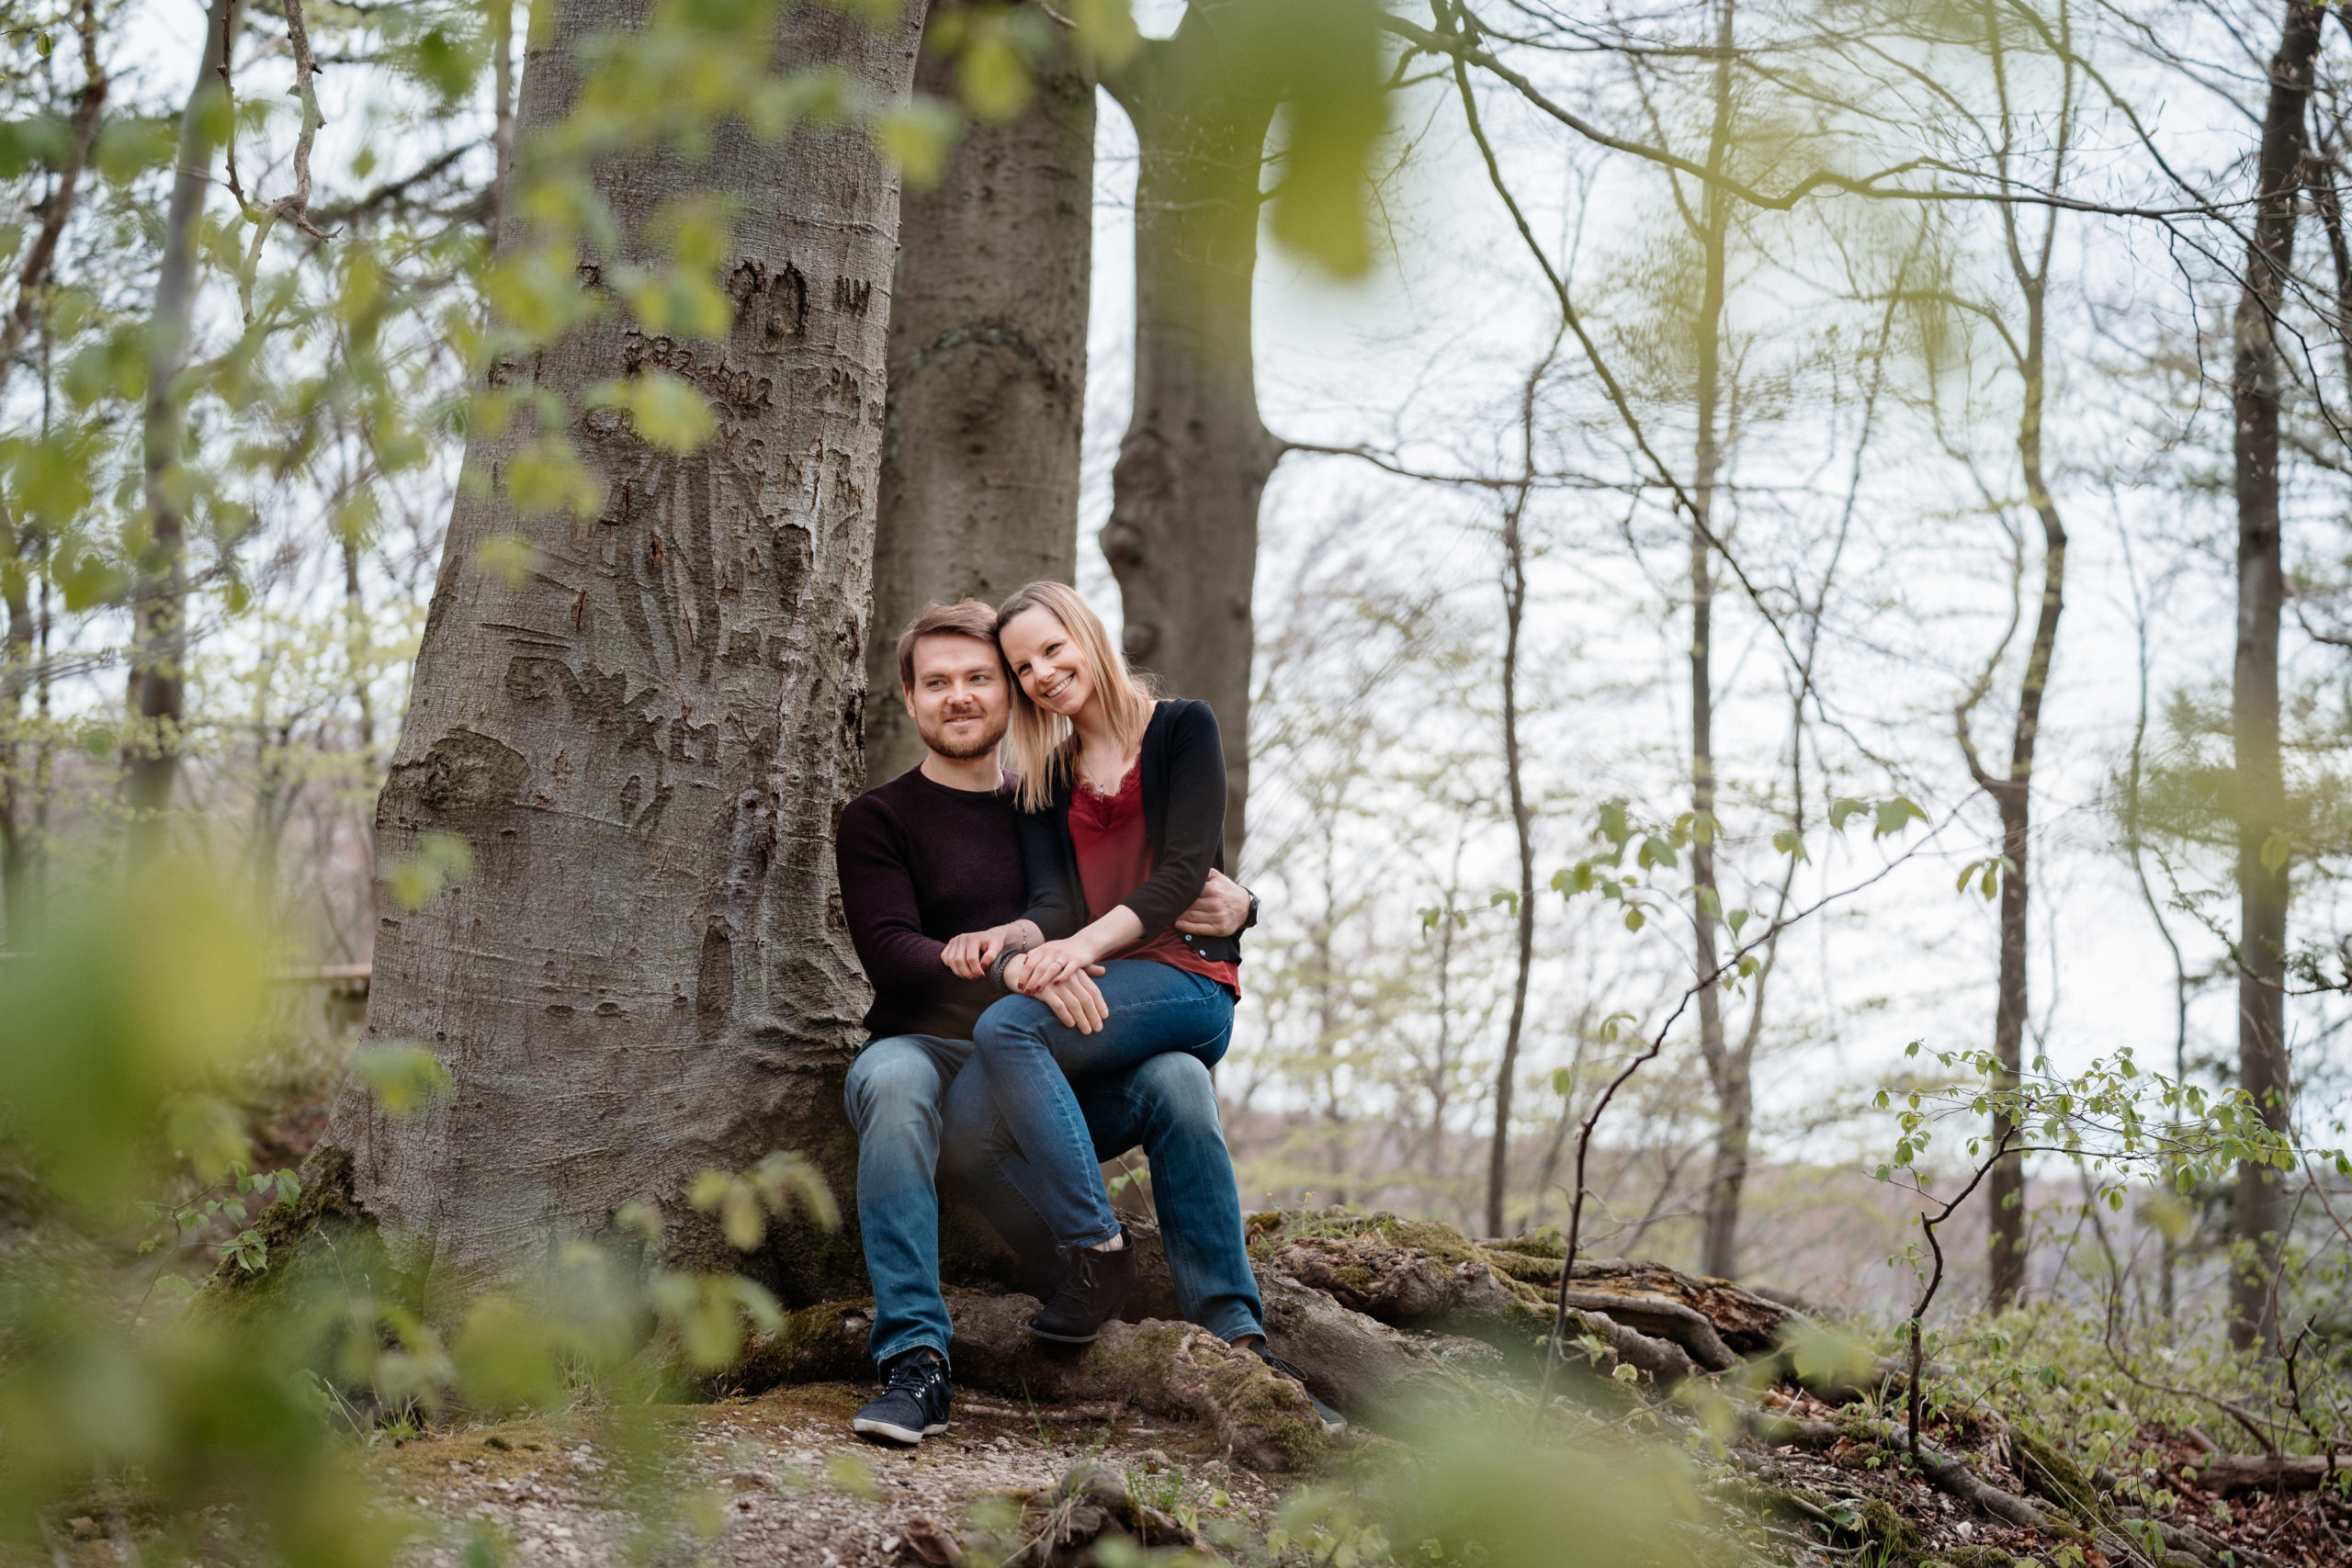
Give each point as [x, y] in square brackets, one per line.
[959, 699]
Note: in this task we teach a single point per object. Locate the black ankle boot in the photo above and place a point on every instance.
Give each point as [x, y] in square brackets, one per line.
[1093, 1288]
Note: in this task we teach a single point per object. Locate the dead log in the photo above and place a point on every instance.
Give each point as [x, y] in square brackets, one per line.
[1161, 1367]
[2227, 1473]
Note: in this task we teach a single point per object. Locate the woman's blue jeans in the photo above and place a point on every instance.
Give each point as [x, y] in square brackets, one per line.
[1027, 1059]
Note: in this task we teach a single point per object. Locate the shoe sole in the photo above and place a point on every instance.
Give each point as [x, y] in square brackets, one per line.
[1063, 1338]
[904, 1435]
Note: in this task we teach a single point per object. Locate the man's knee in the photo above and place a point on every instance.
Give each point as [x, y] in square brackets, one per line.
[890, 1079]
[1176, 1094]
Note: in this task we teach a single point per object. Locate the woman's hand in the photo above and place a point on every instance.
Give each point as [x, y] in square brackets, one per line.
[1049, 964]
[1076, 1000]
[971, 954]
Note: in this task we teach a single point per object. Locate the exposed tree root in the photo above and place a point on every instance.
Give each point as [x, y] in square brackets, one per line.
[1165, 1369]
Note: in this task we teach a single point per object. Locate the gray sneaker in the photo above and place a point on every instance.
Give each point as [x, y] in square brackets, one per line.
[914, 1402]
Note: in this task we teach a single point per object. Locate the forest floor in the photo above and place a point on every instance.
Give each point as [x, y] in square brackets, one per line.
[779, 1480]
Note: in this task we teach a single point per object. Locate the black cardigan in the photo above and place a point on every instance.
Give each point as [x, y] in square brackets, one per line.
[1184, 821]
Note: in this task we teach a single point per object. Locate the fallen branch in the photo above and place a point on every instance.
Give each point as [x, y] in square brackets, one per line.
[1951, 1473]
[2227, 1473]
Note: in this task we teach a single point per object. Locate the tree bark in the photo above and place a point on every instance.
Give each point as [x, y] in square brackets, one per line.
[1183, 538]
[645, 739]
[1728, 1070]
[2263, 1070]
[157, 688]
[987, 396]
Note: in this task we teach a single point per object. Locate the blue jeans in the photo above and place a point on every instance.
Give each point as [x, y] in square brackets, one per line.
[907, 1102]
[1027, 1059]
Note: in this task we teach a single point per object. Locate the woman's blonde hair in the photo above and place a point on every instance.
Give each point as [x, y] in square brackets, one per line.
[1039, 745]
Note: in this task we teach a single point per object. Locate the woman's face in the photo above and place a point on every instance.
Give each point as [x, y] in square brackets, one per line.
[1046, 662]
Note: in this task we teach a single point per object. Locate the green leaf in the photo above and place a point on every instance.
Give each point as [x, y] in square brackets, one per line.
[668, 412]
[402, 1077]
[2276, 849]
[992, 75]
[439, 860]
[542, 477]
[1843, 810]
[130, 145]
[505, 1357]
[1895, 814]
[917, 136]
[1634, 918]
[1106, 30]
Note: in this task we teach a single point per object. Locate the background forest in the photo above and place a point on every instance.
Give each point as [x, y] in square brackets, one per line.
[1774, 575]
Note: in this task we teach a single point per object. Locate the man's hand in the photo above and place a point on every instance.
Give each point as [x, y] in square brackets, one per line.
[971, 954]
[1075, 1000]
[1220, 910]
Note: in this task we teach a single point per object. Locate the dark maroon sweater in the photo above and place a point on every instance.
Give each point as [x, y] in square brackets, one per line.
[921, 862]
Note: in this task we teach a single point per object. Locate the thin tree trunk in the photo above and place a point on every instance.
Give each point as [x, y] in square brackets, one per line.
[1727, 1072]
[502, 136]
[2263, 1070]
[2012, 790]
[645, 739]
[157, 685]
[1183, 538]
[987, 377]
[2004, 1189]
[16, 848]
[1523, 819]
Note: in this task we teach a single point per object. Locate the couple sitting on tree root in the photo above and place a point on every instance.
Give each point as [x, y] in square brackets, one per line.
[1055, 958]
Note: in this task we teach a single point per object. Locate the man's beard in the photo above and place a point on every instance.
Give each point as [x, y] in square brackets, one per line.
[960, 751]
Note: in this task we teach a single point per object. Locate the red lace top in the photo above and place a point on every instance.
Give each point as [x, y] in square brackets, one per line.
[1114, 858]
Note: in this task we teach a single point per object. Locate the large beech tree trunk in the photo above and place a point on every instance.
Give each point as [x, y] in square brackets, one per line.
[2263, 1072]
[646, 738]
[987, 377]
[1183, 538]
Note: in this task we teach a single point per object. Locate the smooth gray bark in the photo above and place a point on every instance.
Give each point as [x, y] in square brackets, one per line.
[1183, 538]
[646, 738]
[987, 377]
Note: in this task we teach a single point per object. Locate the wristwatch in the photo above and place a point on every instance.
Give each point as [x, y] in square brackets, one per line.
[1253, 911]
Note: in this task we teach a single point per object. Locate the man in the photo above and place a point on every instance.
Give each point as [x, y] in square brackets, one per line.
[932, 855]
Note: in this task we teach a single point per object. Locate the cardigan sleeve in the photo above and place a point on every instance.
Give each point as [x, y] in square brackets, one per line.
[1056, 902]
[1192, 831]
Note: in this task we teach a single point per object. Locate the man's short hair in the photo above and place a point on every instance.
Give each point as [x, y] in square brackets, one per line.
[967, 618]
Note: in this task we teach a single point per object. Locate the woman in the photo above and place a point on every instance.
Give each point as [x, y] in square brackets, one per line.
[1123, 817]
